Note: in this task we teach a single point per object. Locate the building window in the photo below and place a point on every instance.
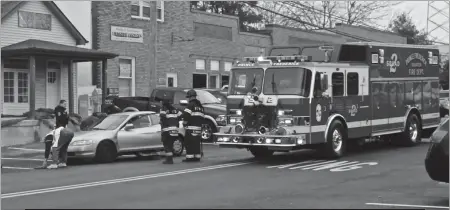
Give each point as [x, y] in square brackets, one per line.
[8, 87]
[227, 66]
[215, 65]
[160, 10]
[337, 81]
[200, 64]
[225, 80]
[352, 84]
[15, 87]
[140, 9]
[35, 20]
[22, 87]
[126, 68]
[171, 80]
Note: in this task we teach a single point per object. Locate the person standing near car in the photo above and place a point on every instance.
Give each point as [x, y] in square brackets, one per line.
[62, 118]
[170, 121]
[193, 116]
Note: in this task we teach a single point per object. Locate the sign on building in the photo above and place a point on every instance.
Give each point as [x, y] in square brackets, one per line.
[125, 34]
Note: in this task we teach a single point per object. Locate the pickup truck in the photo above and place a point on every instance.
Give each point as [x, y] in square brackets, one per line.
[214, 110]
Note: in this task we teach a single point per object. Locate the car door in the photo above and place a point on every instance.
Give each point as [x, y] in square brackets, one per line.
[137, 138]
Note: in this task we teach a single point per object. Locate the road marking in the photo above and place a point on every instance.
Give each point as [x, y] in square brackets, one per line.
[26, 149]
[305, 167]
[121, 180]
[6, 158]
[8, 167]
[406, 205]
[293, 164]
[318, 165]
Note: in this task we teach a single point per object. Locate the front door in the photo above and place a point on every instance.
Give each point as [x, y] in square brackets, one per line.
[137, 138]
[53, 88]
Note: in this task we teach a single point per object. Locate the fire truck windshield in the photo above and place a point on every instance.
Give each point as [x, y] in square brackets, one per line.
[244, 80]
[287, 81]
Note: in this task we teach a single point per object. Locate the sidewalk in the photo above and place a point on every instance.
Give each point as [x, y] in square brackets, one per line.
[28, 150]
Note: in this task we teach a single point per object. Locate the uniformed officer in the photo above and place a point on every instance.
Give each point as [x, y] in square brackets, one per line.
[62, 118]
[193, 116]
[170, 118]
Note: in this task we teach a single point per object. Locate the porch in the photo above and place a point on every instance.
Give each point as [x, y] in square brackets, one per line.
[37, 74]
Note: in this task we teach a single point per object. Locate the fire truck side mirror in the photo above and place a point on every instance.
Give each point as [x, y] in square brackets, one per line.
[324, 82]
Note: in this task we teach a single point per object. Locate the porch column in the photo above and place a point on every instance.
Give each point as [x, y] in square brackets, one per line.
[71, 90]
[32, 91]
[104, 82]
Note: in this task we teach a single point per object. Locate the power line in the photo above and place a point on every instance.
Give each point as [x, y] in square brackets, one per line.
[313, 25]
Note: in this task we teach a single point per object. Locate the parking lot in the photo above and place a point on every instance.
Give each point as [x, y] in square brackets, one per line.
[375, 176]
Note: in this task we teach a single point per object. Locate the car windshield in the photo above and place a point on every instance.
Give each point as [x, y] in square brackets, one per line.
[243, 80]
[287, 81]
[111, 122]
[206, 97]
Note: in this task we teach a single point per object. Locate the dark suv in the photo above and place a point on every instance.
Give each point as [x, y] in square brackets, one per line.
[214, 110]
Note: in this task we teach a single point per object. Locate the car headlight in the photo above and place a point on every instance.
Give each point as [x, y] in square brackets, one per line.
[81, 142]
[221, 120]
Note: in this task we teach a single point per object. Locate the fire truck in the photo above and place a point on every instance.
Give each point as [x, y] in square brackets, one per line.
[326, 97]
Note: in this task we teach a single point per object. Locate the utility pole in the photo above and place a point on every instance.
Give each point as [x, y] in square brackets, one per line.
[438, 21]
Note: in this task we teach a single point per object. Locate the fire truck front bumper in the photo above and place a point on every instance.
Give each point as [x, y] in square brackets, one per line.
[230, 138]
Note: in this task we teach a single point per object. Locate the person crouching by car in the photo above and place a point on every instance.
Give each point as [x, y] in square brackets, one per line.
[62, 136]
[169, 118]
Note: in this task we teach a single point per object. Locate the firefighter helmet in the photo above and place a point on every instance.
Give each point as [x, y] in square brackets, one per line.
[191, 93]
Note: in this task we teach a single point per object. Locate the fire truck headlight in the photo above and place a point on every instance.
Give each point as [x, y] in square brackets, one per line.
[221, 120]
[239, 112]
[269, 141]
[301, 140]
[277, 141]
[280, 112]
[288, 121]
[225, 139]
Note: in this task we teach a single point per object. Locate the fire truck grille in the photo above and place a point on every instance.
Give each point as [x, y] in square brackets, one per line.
[257, 116]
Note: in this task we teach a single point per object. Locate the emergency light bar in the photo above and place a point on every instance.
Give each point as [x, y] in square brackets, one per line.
[297, 58]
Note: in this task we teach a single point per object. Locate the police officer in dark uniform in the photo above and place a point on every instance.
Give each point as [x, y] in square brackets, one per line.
[193, 116]
[170, 119]
[62, 118]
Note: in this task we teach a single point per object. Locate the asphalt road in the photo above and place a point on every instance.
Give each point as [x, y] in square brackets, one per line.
[373, 176]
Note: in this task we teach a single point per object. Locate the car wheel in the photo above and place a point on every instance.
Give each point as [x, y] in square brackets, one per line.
[207, 132]
[106, 152]
[413, 131]
[261, 152]
[178, 147]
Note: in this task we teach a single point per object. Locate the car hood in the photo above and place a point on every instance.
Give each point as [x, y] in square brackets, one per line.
[93, 135]
[215, 110]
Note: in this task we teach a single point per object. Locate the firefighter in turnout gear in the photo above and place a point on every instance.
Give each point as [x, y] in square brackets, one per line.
[170, 119]
[193, 116]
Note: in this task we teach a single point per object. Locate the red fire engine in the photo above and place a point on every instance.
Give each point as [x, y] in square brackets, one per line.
[325, 97]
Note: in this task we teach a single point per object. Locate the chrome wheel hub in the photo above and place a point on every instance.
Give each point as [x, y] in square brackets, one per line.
[413, 131]
[177, 146]
[337, 141]
[206, 133]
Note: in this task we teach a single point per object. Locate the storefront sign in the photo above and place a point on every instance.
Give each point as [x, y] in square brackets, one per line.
[125, 34]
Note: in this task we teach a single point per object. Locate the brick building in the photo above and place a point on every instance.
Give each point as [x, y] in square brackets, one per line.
[193, 48]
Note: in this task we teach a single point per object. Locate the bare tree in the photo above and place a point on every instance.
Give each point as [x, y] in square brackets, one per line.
[324, 14]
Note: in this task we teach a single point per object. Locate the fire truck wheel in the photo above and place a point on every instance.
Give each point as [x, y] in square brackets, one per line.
[336, 141]
[413, 131]
[261, 152]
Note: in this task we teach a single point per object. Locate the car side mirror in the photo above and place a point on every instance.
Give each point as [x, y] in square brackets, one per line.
[129, 126]
[183, 102]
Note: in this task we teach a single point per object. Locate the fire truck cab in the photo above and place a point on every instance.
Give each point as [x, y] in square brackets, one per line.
[324, 97]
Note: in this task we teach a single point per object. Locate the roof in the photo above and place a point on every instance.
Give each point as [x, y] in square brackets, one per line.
[45, 48]
[381, 44]
[8, 7]
[369, 28]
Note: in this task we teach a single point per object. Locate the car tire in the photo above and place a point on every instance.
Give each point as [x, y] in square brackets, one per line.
[178, 146]
[207, 133]
[412, 135]
[261, 152]
[106, 152]
[336, 141]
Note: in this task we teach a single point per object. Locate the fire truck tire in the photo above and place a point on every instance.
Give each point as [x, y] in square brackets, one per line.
[261, 152]
[413, 131]
[336, 144]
